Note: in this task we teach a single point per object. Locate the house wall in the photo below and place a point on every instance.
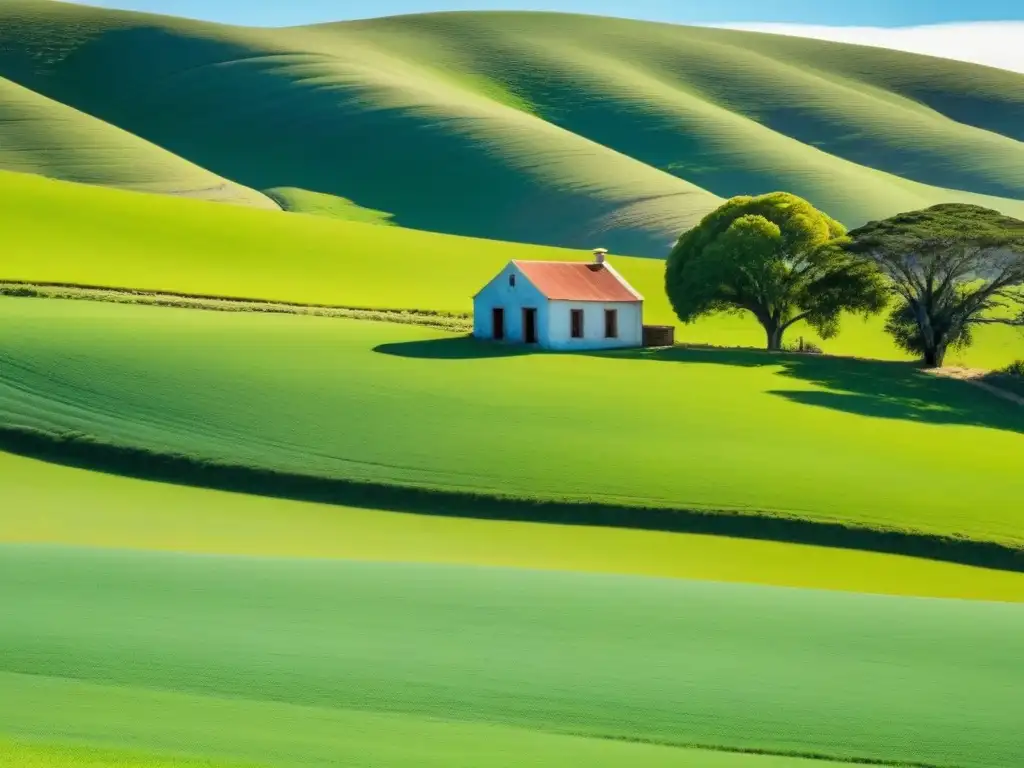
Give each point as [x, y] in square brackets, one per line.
[498, 293]
[553, 317]
[558, 331]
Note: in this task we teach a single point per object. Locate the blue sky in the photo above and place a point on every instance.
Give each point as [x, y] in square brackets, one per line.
[883, 13]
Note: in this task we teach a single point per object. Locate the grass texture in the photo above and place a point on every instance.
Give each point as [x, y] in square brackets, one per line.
[289, 736]
[35, 755]
[470, 658]
[80, 508]
[543, 128]
[304, 201]
[195, 248]
[384, 403]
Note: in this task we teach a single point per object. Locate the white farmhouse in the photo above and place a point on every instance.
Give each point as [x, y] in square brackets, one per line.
[560, 305]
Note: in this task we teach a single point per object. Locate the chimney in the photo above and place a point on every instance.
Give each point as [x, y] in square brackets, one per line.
[599, 255]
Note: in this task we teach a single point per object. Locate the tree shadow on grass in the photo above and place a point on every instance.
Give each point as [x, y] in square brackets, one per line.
[874, 388]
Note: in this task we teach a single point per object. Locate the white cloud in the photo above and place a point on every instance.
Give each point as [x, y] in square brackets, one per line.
[995, 44]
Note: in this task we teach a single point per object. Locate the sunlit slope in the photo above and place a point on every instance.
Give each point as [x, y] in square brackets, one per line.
[358, 120]
[191, 246]
[546, 128]
[298, 735]
[42, 136]
[304, 201]
[409, 663]
[739, 112]
[78, 507]
[392, 404]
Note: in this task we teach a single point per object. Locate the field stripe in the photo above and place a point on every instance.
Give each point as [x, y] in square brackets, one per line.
[931, 682]
[87, 452]
[93, 718]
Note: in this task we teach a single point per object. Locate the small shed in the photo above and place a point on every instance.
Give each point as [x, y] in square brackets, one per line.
[562, 305]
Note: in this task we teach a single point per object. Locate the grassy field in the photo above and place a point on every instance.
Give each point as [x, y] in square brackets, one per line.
[407, 405]
[502, 748]
[194, 247]
[304, 201]
[488, 661]
[80, 508]
[34, 755]
[556, 129]
[173, 625]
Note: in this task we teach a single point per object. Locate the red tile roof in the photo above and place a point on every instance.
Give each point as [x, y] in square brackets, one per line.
[577, 281]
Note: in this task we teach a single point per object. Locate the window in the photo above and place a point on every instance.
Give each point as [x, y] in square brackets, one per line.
[511, 281]
[611, 323]
[576, 323]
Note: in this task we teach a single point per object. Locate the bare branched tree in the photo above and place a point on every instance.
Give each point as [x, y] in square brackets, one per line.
[952, 267]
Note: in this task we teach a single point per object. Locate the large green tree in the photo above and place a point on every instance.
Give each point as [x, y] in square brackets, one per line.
[776, 257]
[951, 268]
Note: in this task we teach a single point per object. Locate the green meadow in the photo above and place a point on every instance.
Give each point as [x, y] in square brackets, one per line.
[503, 748]
[75, 507]
[247, 659]
[255, 540]
[194, 247]
[375, 402]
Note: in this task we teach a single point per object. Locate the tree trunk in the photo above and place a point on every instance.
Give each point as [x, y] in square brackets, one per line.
[935, 355]
[774, 333]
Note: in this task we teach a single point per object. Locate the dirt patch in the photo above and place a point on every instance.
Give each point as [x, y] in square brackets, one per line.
[977, 377]
[459, 323]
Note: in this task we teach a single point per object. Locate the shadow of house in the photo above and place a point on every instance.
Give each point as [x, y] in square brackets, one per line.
[460, 348]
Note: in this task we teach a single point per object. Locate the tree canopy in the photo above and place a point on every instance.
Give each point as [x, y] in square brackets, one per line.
[951, 267]
[777, 257]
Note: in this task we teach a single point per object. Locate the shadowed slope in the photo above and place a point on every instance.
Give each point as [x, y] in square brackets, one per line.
[44, 137]
[738, 112]
[296, 109]
[547, 128]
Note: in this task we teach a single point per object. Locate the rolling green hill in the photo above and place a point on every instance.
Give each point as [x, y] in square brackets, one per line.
[254, 540]
[194, 247]
[51, 504]
[501, 748]
[383, 664]
[540, 128]
[410, 406]
[42, 136]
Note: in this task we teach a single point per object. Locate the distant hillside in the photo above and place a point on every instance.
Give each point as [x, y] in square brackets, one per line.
[42, 136]
[162, 243]
[546, 128]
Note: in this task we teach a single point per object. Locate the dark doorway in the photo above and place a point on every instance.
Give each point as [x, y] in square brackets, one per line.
[576, 323]
[498, 323]
[611, 323]
[530, 326]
